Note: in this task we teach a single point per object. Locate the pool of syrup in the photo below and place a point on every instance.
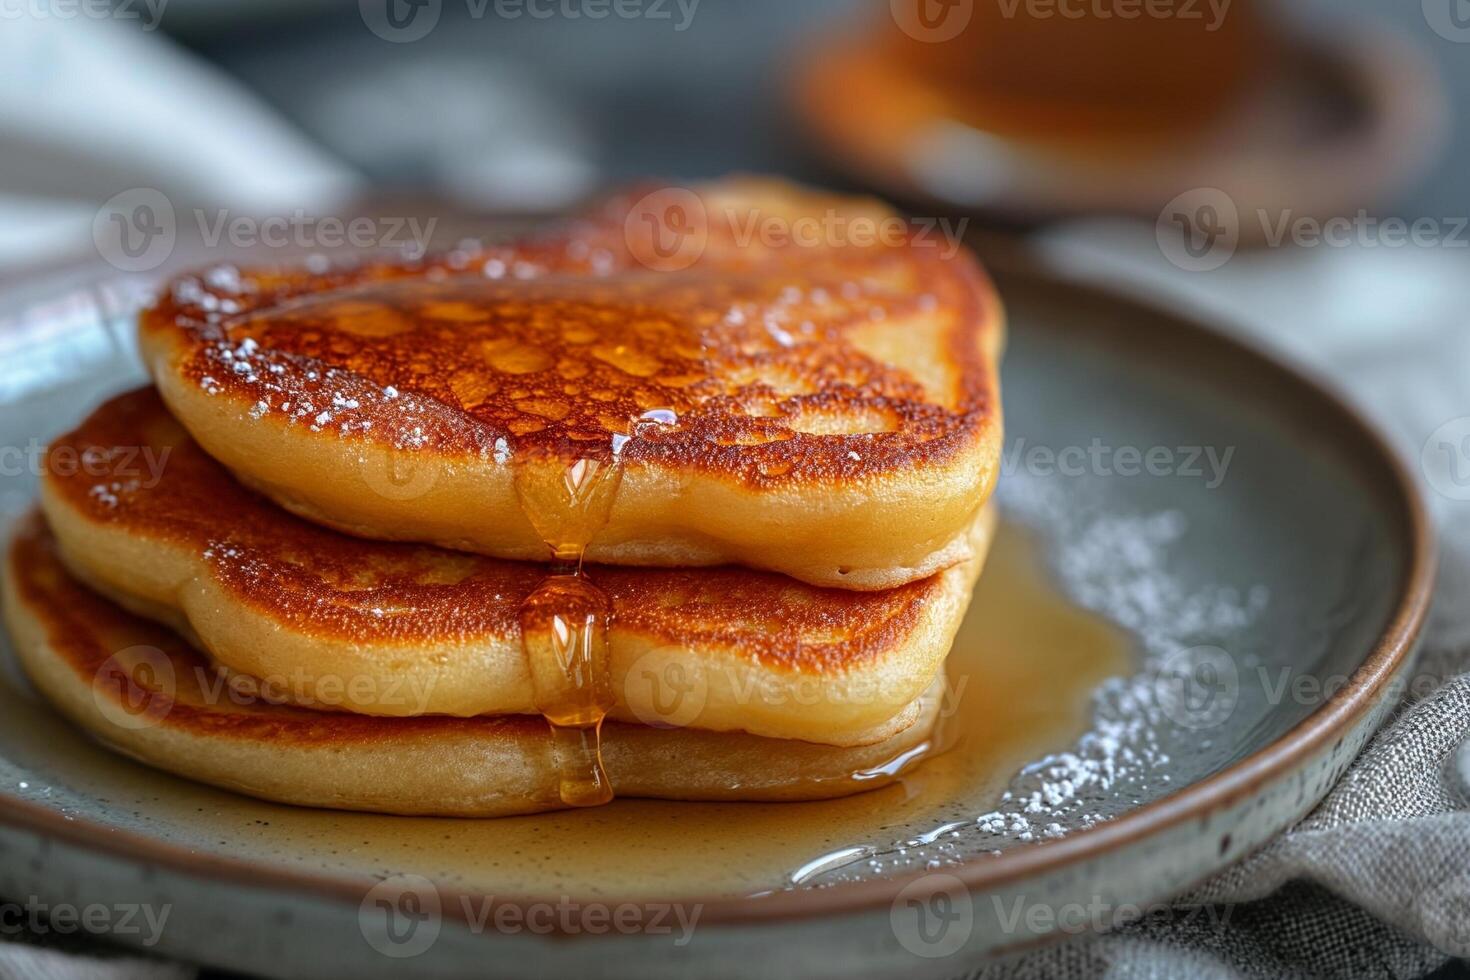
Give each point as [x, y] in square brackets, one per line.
[1020, 680]
[1021, 675]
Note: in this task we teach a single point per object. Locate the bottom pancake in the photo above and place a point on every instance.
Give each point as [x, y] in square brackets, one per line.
[145, 692]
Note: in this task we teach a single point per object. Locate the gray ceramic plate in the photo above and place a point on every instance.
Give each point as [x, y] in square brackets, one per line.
[1258, 542]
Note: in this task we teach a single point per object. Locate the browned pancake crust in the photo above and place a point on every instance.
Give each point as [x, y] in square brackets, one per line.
[80, 625]
[327, 584]
[554, 344]
[144, 691]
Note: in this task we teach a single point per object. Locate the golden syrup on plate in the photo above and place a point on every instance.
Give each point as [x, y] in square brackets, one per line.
[1020, 680]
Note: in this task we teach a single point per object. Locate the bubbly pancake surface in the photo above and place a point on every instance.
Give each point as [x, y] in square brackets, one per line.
[827, 408]
[146, 692]
[142, 513]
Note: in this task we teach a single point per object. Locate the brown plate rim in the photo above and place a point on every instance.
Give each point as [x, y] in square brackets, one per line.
[1331, 720]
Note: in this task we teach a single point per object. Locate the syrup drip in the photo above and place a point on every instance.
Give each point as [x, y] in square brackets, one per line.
[564, 621]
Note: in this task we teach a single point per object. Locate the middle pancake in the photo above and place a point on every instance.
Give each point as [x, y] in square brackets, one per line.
[144, 515]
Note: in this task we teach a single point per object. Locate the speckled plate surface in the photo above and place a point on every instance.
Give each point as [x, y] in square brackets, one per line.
[1258, 543]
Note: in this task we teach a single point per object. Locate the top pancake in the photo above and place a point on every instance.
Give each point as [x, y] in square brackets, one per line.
[821, 405]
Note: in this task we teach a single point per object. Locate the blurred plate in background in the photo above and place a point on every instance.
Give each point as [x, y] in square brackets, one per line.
[1326, 124]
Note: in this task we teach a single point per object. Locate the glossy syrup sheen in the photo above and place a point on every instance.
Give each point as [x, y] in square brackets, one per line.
[564, 621]
[1020, 679]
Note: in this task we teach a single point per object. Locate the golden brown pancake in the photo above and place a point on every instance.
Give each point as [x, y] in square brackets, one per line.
[786, 381]
[145, 692]
[142, 514]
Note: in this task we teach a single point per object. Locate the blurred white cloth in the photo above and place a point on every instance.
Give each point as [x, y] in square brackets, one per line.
[18, 962]
[92, 107]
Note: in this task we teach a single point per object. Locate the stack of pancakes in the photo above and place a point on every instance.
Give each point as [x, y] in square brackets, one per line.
[376, 526]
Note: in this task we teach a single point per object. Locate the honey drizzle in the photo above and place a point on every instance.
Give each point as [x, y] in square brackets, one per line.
[564, 621]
